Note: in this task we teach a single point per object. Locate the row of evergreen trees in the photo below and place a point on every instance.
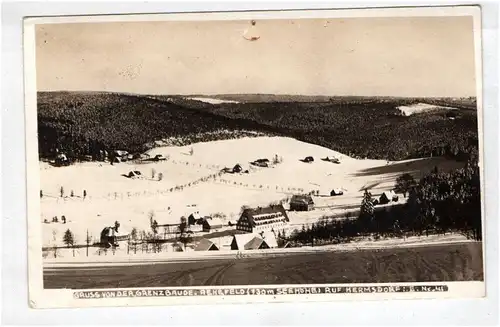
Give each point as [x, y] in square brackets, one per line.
[439, 203]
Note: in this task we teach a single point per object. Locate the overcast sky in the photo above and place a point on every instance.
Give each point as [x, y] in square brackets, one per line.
[415, 56]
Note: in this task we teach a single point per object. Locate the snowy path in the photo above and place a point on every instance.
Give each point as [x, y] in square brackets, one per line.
[122, 258]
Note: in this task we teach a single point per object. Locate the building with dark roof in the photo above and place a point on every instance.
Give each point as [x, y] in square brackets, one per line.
[211, 224]
[262, 219]
[301, 203]
[387, 197]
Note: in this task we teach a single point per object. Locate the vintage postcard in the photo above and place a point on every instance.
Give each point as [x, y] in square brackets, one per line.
[254, 156]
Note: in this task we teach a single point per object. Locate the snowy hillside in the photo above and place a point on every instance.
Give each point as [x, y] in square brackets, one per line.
[192, 181]
[420, 108]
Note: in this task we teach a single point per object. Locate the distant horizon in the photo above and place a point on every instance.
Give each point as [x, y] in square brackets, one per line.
[235, 94]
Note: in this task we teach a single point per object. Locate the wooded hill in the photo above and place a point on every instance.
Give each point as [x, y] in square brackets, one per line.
[82, 123]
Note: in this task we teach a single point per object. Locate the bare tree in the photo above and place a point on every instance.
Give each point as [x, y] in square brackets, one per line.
[133, 237]
[54, 238]
[61, 191]
[151, 216]
[153, 173]
[88, 240]
[183, 224]
[185, 238]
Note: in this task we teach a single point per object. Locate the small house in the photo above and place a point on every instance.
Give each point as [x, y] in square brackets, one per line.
[194, 218]
[237, 168]
[336, 191]
[331, 159]
[301, 203]
[134, 174]
[261, 162]
[159, 157]
[387, 197]
[206, 245]
[61, 159]
[110, 236]
[212, 224]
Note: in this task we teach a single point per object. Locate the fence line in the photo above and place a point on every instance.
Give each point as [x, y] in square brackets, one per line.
[214, 177]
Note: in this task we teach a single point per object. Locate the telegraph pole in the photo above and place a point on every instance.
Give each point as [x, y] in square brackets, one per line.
[87, 240]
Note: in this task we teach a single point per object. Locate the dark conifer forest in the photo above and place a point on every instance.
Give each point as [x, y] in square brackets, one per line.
[83, 123]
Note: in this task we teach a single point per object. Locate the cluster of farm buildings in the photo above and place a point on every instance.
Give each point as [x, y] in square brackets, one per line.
[256, 227]
[116, 156]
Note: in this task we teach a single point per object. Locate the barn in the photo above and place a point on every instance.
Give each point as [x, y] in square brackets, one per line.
[301, 203]
[206, 245]
[254, 241]
[262, 218]
[240, 240]
[211, 224]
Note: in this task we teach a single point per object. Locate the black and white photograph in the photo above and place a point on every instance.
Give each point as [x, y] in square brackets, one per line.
[322, 154]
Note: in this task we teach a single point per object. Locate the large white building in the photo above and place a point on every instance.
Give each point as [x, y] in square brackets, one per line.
[262, 219]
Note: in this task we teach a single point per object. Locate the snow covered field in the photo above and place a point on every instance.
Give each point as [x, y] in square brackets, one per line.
[193, 183]
[211, 100]
[420, 107]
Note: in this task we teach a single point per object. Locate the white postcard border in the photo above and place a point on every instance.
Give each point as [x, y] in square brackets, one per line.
[64, 298]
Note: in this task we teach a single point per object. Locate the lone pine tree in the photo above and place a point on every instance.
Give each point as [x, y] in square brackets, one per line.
[68, 238]
[367, 211]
